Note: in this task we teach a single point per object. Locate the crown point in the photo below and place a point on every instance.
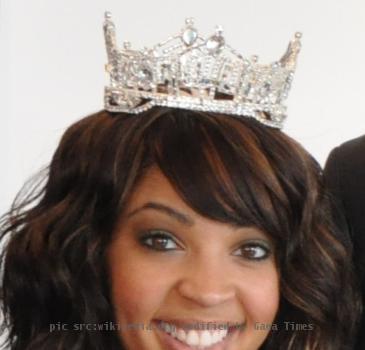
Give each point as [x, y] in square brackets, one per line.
[107, 15]
[255, 58]
[189, 21]
[219, 29]
[298, 35]
[127, 45]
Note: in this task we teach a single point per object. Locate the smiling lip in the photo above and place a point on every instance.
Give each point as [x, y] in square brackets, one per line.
[171, 343]
[202, 324]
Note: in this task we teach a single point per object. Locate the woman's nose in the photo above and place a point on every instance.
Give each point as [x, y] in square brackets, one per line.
[207, 283]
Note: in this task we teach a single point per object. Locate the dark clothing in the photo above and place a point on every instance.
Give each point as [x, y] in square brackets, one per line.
[345, 177]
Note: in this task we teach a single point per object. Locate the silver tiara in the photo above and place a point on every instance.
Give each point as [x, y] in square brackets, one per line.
[190, 72]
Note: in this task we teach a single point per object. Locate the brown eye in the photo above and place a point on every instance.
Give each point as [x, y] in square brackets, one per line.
[158, 241]
[253, 251]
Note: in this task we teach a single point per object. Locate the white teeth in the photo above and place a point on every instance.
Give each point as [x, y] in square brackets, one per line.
[168, 328]
[193, 337]
[174, 332]
[181, 335]
[224, 332]
[216, 336]
[220, 334]
[205, 338]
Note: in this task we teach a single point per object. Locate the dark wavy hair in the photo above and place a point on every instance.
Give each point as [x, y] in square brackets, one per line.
[229, 169]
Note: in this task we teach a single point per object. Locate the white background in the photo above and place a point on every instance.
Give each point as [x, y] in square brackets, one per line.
[52, 60]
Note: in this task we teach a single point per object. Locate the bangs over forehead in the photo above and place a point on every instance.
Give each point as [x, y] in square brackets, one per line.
[228, 169]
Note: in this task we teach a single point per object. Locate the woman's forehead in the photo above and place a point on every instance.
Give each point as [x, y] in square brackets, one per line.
[153, 185]
[155, 195]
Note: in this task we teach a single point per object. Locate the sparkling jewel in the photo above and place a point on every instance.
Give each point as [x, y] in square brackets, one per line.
[219, 29]
[127, 45]
[189, 36]
[215, 43]
[189, 21]
[298, 35]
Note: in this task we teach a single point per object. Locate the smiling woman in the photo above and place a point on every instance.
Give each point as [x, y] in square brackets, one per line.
[183, 229]
[196, 271]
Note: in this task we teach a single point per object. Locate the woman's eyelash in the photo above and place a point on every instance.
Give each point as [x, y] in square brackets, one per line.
[254, 251]
[158, 240]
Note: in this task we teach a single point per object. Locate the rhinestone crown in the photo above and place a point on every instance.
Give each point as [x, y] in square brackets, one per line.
[190, 72]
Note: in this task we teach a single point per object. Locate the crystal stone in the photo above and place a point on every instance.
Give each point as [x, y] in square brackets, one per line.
[145, 75]
[116, 99]
[189, 36]
[215, 43]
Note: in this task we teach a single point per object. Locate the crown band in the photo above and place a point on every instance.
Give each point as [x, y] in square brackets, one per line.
[190, 72]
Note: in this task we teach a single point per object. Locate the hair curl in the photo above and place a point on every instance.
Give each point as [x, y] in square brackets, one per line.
[228, 169]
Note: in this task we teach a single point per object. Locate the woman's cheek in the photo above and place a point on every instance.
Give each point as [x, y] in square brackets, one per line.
[139, 287]
[262, 298]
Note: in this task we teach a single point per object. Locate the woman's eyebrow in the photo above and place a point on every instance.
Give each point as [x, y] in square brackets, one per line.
[173, 213]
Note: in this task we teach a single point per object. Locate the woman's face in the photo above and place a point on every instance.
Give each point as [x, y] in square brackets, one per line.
[180, 281]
